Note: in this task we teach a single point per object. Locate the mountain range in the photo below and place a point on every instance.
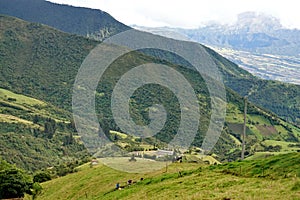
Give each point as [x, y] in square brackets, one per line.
[41, 62]
[256, 41]
[253, 32]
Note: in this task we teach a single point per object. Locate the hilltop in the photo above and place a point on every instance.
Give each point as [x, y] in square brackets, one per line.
[82, 21]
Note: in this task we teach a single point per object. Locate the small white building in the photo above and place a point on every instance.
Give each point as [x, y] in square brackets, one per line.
[94, 162]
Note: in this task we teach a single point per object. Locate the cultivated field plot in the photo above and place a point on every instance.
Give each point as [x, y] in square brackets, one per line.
[141, 165]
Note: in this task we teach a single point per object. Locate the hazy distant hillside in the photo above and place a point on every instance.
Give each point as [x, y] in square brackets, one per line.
[257, 42]
[82, 21]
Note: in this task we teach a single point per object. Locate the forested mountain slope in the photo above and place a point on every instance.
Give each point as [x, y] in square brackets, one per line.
[42, 62]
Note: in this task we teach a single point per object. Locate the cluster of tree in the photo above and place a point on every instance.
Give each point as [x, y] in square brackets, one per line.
[50, 128]
[30, 149]
[61, 170]
[133, 148]
[275, 148]
[15, 183]
[294, 145]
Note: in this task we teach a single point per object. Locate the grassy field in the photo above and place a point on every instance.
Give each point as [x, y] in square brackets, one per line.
[20, 99]
[15, 105]
[237, 180]
[262, 155]
[141, 165]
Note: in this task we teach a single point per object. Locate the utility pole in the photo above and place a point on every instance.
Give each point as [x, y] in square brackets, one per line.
[244, 128]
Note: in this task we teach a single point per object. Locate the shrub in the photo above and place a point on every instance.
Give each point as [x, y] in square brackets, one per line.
[41, 177]
[132, 159]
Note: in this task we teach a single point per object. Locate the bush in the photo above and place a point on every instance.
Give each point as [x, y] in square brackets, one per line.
[41, 177]
[36, 190]
[11, 99]
[132, 159]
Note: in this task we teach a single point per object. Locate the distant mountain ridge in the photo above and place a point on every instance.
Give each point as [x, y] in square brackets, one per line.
[81, 21]
[251, 22]
[254, 32]
[256, 42]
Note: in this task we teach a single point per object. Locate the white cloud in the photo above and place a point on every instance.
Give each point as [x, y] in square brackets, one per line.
[189, 13]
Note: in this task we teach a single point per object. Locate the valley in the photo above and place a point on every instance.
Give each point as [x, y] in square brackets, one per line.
[59, 84]
[271, 67]
[42, 150]
[256, 42]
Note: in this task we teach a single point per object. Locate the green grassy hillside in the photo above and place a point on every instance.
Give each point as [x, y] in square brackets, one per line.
[275, 177]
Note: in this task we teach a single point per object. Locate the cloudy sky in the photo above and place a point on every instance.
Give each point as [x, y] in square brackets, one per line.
[190, 13]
